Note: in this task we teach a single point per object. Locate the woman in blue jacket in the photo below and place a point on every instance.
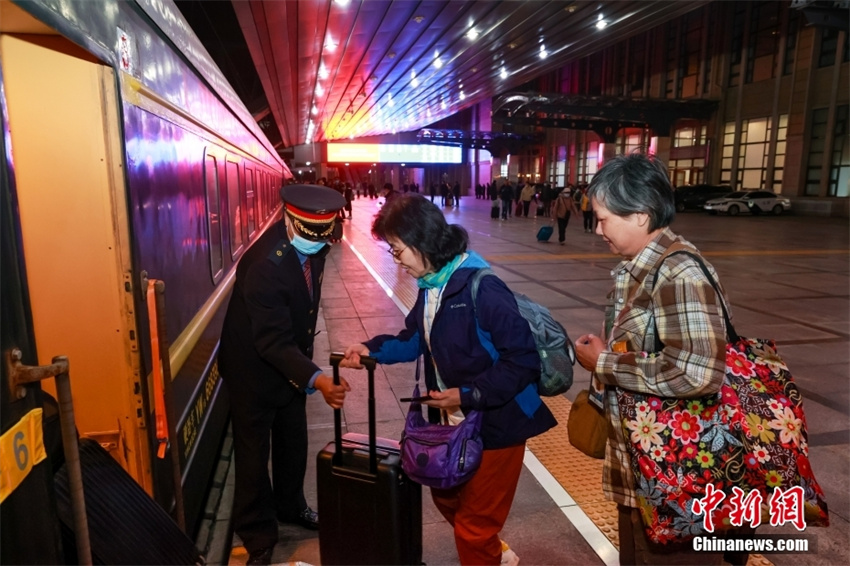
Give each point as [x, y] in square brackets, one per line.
[476, 356]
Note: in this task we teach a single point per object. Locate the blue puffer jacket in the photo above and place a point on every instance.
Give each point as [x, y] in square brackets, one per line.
[500, 378]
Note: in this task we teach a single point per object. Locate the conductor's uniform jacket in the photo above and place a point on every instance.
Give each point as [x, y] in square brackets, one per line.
[267, 340]
[265, 362]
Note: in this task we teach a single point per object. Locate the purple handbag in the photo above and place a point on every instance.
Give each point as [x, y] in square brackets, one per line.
[436, 455]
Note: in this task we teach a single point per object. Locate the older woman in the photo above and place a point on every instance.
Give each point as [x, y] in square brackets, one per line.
[668, 341]
[497, 376]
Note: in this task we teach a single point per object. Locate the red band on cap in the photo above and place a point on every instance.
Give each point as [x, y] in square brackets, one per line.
[313, 217]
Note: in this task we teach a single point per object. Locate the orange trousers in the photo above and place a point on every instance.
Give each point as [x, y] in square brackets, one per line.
[478, 509]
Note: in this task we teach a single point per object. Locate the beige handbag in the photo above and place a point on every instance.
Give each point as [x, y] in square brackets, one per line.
[587, 427]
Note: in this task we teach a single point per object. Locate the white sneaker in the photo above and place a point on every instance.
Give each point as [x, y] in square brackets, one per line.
[509, 557]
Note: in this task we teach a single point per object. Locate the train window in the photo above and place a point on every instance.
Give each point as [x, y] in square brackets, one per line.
[234, 206]
[250, 201]
[267, 198]
[264, 205]
[213, 217]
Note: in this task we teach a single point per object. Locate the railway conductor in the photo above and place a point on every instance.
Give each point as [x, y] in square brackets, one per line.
[265, 362]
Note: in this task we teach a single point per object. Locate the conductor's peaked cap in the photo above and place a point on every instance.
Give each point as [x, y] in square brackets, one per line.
[312, 209]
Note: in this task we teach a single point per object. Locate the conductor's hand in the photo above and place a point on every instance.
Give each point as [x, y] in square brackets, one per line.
[588, 349]
[334, 394]
[444, 399]
[352, 356]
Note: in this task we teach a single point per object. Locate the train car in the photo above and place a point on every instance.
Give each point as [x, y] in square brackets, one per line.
[127, 159]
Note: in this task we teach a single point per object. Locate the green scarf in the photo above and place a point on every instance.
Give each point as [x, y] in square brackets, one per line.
[438, 279]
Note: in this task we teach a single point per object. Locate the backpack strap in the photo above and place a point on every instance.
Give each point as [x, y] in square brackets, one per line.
[476, 281]
[483, 336]
[731, 334]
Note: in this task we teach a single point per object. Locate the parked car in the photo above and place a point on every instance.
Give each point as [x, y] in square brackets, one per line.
[695, 196]
[754, 202]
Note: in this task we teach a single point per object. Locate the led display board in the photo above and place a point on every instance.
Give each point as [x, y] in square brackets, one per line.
[393, 153]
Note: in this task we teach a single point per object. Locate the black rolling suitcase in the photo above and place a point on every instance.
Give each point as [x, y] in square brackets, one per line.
[494, 211]
[371, 512]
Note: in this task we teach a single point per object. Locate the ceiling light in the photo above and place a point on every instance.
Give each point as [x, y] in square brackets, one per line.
[462, 96]
[323, 71]
[314, 110]
[601, 23]
[319, 90]
[342, 3]
[503, 73]
[543, 52]
[330, 45]
[472, 34]
[438, 62]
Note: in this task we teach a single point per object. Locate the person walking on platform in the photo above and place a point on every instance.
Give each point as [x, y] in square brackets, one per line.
[348, 193]
[265, 362]
[462, 373]
[507, 195]
[526, 196]
[586, 210]
[673, 345]
[389, 193]
[562, 208]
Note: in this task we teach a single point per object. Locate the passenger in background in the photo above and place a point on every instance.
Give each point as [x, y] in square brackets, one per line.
[587, 210]
[563, 207]
[547, 195]
[680, 313]
[389, 193]
[265, 362]
[456, 194]
[526, 196]
[507, 195]
[348, 193]
[461, 373]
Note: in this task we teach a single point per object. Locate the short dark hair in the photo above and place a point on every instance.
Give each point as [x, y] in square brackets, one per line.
[635, 183]
[420, 225]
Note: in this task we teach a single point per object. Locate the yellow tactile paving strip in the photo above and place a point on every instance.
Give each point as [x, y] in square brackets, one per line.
[581, 475]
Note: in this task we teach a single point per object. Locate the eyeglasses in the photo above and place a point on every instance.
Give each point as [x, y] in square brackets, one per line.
[396, 254]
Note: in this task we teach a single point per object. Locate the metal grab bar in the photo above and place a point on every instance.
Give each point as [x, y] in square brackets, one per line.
[20, 375]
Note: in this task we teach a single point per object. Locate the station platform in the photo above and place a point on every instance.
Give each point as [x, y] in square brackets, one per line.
[788, 279]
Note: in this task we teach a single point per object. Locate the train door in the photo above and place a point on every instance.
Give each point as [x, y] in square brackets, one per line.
[65, 130]
[30, 533]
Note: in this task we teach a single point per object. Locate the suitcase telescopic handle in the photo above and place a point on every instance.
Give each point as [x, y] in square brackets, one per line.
[367, 361]
[370, 364]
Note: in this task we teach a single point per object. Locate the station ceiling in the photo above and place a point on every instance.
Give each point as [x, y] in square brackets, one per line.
[339, 69]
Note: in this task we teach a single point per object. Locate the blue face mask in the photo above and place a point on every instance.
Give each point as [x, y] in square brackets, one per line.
[305, 246]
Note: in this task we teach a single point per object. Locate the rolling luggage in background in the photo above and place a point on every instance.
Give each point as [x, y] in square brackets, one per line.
[494, 211]
[371, 512]
[544, 233]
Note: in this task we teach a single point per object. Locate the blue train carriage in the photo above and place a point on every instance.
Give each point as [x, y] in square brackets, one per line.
[128, 155]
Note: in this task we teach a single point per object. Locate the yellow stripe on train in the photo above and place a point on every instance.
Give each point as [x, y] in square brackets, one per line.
[21, 448]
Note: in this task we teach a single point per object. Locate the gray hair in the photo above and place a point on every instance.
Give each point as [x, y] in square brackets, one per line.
[636, 183]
